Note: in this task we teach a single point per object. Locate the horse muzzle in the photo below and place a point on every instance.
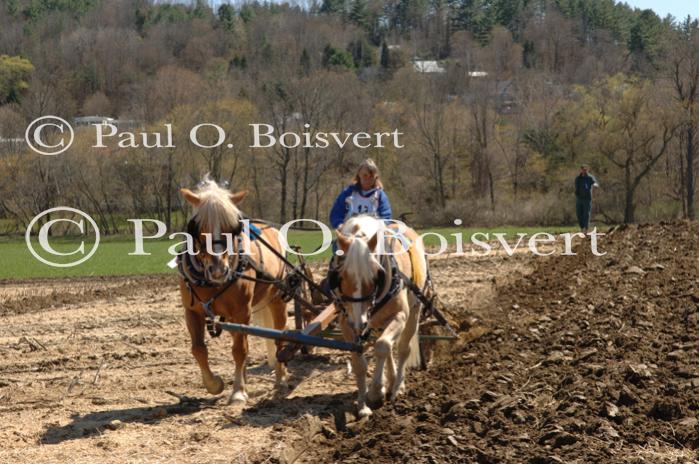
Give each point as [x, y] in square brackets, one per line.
[217, 274]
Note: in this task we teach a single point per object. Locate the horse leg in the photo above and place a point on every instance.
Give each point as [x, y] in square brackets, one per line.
[359, 366]
[195, 325]
[390, 372]
[240, 354]
[408, 349]
[278, 309]
[382, 350]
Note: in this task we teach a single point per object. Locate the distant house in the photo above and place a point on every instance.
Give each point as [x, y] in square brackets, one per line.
[428, 67]
[90, 120]
[123, 124]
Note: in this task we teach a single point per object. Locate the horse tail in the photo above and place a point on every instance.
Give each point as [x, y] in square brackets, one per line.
[413, 360]
[262, 316]
[418, 263]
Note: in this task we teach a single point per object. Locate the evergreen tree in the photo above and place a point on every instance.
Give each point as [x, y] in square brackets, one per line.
[508, 13]
[476, 16]
[333, 7]
[362, 53]
[385, 55]
[305, 63]
[226, 14]
[247, 13]
[644, 40]
[201, 10]
[529, 54]
[410, 14]
[463, 13]
[358, 13]
[333, 57]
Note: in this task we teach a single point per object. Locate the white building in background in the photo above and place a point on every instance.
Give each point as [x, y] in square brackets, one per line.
[434, 67]
[90, 120]
[428, 67]
[123, 124]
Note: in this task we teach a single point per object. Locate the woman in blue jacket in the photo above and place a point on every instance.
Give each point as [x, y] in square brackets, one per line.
[364, 196]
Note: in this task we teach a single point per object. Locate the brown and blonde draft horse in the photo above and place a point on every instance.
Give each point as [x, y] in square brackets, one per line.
[216, 213]
[359, 271]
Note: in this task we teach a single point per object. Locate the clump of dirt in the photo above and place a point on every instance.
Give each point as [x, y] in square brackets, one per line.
[588, 359]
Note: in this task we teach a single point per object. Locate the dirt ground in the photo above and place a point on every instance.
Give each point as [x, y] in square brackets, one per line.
[561, 359]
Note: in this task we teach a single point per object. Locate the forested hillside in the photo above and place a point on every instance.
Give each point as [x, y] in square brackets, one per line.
[499, 101]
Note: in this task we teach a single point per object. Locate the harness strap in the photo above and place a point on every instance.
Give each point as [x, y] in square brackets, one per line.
[193, 279]
[212, 324]
[395, 287]
[259, 251]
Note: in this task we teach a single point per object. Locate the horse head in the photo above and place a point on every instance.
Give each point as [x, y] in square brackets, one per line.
[215, 222]
[359, 270]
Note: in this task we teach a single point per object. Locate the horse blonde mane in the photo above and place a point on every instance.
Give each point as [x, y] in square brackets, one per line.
[360, 264]
[215, 210]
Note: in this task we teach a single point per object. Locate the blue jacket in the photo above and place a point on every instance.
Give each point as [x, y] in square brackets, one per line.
[338, 212]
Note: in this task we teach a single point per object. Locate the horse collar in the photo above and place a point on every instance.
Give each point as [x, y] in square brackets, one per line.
[335, 281]
[393, 289]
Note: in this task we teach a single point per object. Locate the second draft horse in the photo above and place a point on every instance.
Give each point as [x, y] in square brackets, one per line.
[368, 283]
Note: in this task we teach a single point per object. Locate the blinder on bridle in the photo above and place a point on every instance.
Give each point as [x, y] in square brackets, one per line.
[335, 280]
[193, 231]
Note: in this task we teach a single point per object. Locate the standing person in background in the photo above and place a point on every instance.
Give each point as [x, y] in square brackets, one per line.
[584, 184]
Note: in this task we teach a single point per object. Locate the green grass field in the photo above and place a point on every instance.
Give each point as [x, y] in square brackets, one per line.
[112, 256]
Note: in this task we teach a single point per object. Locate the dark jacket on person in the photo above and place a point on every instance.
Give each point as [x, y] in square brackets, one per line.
[583, 186]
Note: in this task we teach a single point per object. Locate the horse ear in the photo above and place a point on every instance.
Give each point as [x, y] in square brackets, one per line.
[373, 241]
[342, 241]
[236, 198]
[191, 197]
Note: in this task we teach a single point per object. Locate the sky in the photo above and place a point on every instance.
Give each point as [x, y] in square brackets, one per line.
[677, 8]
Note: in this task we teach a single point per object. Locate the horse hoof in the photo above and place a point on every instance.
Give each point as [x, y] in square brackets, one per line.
[376, 395]
[397, 392]
[364, 412]
[215, 385]
[281, 385]
[238, 397]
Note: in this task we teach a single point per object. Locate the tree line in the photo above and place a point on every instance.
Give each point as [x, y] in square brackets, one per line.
[500, 102]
